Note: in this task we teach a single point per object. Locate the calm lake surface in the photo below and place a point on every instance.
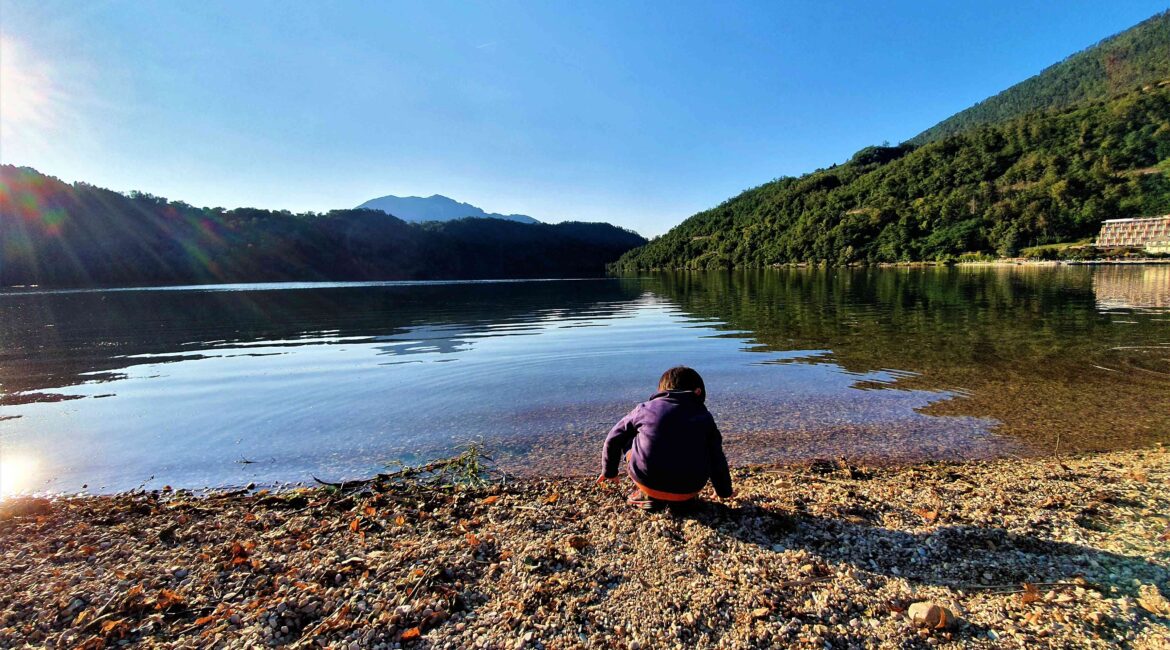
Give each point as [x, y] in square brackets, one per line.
[225, 385]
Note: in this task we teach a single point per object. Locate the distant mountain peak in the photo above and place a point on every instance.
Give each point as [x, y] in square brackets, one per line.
[435, 207]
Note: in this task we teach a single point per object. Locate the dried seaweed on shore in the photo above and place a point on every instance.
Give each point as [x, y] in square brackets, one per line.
[1020, 553]
[472, 467]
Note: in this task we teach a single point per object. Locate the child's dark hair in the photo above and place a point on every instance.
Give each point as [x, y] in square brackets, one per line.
[681, 378]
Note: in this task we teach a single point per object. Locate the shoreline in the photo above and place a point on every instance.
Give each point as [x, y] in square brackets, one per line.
[917, 264]
[1068, 552]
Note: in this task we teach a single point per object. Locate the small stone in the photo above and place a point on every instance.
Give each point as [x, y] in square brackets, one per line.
[932, 616]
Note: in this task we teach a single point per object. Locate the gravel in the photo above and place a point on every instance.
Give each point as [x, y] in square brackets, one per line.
[1062, 553]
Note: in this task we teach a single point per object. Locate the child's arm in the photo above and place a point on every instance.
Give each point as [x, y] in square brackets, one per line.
[620, 438]
[720, 473]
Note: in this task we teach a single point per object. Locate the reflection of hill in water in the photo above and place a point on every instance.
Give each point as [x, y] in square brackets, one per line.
[1119, 287]
[54, 340]
[1025, 346]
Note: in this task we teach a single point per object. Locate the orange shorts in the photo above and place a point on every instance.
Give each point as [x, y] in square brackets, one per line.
[657, 494]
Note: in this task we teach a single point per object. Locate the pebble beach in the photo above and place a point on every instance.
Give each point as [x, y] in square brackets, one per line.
[1030, 553]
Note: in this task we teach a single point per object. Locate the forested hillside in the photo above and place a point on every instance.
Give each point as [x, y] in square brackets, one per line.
[1119, 64]
[1045, 177]
[56, 234]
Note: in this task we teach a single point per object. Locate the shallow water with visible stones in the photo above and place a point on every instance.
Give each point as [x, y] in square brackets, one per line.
[224, 385]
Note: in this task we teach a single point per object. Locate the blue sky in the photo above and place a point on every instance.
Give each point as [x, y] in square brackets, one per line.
[637, 113]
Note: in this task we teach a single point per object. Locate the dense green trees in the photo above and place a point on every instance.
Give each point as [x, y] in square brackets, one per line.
[1045, 177]
[56, 234]
[1134, 58]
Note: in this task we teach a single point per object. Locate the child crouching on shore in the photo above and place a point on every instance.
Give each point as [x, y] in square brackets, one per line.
[671, 444]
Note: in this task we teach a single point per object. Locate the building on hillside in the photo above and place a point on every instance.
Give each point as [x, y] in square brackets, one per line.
[1148, 233]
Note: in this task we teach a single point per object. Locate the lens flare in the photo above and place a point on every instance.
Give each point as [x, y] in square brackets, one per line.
[17, 474]
[30, 98]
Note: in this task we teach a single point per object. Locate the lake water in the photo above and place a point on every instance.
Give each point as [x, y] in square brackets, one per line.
[225, 385]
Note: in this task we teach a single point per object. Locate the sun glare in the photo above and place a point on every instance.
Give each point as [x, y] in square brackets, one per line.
[27, 96]
[17, 474]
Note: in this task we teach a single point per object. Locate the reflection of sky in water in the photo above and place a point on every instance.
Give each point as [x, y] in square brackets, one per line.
[336, 379]
[333, 405]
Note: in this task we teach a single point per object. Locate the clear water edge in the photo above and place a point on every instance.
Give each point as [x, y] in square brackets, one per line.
[107, 388]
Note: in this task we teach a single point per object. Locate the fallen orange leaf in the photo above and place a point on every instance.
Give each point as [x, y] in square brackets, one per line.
[928, 515]
[411, 634]
[167, 599]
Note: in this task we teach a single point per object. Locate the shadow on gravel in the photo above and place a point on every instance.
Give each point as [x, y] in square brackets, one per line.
[965, 557]
[956, 556]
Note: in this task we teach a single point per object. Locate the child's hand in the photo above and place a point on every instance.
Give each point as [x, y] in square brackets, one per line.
[602, 479]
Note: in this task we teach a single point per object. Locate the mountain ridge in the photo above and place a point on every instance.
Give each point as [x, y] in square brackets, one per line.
[56, 234]
[435, 207]
[980, 183]
[1113, 66]
[1044, 178]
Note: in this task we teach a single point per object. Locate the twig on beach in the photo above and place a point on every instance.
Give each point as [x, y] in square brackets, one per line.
[806, 581]
[1019, 589]
[812, 477]
[346, 484]
[413, 590]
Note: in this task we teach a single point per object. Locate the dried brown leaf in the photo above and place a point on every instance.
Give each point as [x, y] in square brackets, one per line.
[929, 516]
[577, 542]
[167, 599]
[1031, 594]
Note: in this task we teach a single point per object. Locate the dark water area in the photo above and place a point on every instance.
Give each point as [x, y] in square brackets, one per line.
[224, 385]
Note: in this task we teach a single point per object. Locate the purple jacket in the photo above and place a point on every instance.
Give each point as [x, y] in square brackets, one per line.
[675, 445]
